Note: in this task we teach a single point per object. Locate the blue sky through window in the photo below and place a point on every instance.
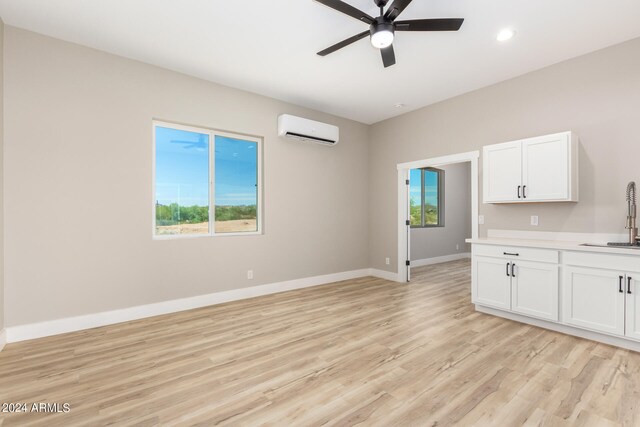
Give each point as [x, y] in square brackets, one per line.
[415, 183]
[431, 187]
[236, 172]
[182, 169]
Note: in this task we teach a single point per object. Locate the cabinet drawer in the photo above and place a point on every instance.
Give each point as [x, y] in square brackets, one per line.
[509, 252]
[618, 262]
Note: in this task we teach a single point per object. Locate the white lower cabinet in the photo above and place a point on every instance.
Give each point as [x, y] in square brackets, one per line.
[594, 291]
[602, 300]
[492, 281]
[534, 289]
[594, 298]
[632, 325]
[524, 287]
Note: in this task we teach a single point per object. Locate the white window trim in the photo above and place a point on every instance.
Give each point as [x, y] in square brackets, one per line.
[212, 134]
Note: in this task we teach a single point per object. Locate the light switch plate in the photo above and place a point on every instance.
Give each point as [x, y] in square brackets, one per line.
[480, 219]
[534, 219]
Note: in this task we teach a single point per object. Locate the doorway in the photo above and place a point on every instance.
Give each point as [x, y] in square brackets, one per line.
[405, 218]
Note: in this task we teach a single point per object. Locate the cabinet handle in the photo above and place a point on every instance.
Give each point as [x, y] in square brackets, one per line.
[629, 279]
[620, 280]
[524, 191]
[507, 253]
[513, 270]
[519, 197]
[508, 269]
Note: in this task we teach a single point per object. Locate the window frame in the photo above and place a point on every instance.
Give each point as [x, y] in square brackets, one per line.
[441, 222]
[212, 133]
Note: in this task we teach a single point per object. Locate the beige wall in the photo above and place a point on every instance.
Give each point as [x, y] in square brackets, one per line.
[596, 95]
[78, 173]
[440, 241]
[2, 315]
[78, 179]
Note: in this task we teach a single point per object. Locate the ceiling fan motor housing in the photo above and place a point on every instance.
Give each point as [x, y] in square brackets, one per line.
[381, 24]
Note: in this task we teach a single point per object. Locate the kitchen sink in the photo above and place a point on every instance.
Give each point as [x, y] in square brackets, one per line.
[616, 246]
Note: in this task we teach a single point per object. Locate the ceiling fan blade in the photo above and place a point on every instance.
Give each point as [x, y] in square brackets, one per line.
[343, 43]
[396, 9]
[446, 24]
[388, 56]
[347, 9]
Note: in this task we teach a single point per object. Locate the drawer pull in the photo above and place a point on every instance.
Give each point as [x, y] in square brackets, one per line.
[510, 254]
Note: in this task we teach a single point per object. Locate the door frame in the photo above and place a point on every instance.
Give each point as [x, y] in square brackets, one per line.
[403, 197]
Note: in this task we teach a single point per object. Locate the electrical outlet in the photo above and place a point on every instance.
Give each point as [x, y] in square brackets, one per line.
[480, 219]
[387, 261]
[250, 274]
[457, 247]
[534, 219]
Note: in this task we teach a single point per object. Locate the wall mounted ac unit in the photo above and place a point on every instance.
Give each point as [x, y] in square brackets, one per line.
[307, 130]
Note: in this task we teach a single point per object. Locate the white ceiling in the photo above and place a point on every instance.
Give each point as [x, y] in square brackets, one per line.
[269, 47]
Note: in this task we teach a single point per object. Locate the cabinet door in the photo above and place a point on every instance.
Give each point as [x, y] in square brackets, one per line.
[592, 299]
[545, 168]
[632, 289]
[502, 172]
[534, 289]
[492, 285]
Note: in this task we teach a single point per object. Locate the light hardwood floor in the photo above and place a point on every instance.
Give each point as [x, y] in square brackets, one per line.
[363, 351]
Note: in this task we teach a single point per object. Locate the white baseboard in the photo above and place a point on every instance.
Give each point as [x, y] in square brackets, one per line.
[77, 323]
[439, 259]
[387, 275]
[3, 338]
[559, 236]
[569, 330]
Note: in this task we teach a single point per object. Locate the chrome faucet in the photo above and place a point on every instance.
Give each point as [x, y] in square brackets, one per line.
[631, 214]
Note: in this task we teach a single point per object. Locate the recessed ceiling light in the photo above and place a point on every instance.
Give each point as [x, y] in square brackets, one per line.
[399, 105]
[505, 35]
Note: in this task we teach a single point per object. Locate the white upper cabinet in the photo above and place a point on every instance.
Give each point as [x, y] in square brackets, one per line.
[502, 171]
[541, 169]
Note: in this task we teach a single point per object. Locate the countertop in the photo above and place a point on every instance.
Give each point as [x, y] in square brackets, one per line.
[553, 244]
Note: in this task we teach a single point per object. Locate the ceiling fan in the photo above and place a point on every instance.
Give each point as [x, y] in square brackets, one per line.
[383, 28]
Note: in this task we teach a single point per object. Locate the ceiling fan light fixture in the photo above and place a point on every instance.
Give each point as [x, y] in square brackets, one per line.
[382, 38]
[381, 33]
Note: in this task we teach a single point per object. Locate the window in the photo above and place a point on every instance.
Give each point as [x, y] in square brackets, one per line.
[426, 197]
[206, 182]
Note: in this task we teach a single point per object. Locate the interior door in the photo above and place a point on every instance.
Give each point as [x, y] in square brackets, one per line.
[502, 172]
[534, 289]
[408, 245]
[594, 298]
[492, 282]
[632, 290]
[545, 168]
